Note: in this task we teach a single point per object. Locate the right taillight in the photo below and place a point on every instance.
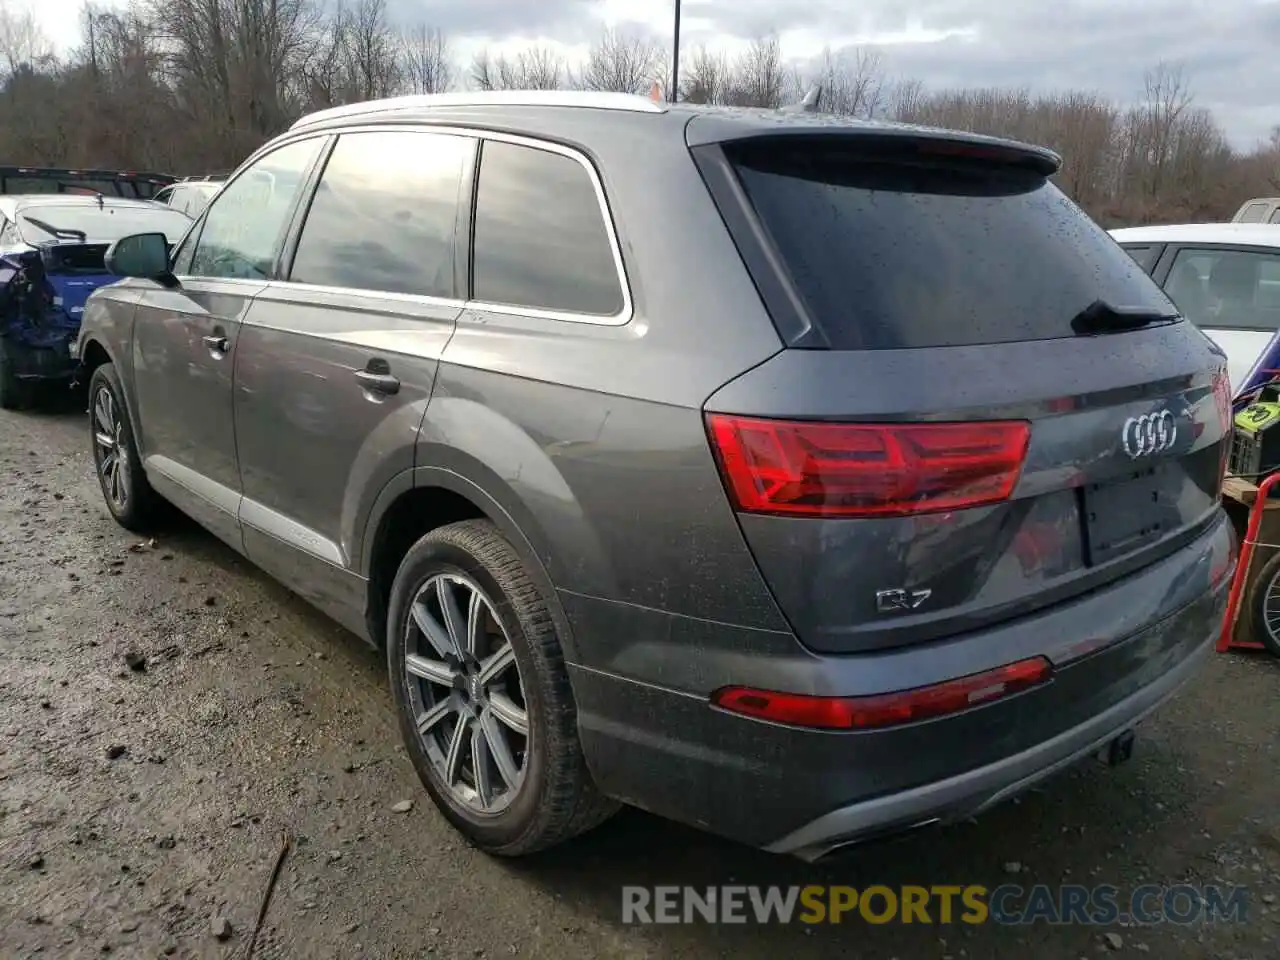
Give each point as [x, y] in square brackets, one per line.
[816, 469]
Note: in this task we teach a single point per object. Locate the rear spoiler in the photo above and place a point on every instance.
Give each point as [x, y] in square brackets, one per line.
[802, 121]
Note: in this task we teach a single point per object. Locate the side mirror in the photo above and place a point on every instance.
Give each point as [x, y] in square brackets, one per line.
[142, 255]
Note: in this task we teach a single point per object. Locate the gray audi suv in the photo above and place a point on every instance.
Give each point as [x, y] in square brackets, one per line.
[797, 478]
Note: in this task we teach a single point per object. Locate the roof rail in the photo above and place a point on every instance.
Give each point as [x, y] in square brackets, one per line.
[511, 98]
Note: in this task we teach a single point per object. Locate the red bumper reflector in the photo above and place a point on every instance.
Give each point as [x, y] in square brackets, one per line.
[884, 710]
[817, 469]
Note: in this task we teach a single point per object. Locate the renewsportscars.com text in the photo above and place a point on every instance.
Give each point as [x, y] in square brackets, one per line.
[1009, 904]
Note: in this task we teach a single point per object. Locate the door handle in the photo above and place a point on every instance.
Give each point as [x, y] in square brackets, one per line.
[215, 343]
[383, 383]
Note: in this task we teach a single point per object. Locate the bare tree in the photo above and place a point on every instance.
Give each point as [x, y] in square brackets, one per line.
[22, 43]
[195, 85]
[621, 62]
[906, 100]
[238, 66]
[1082, 128]
[852, 81]
[372, 52]
[758, 78]
[1167, 97]
[426, 60]
[705, 77]
[536, 68]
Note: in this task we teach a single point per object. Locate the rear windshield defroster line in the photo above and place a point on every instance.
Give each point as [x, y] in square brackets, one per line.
[906, 250]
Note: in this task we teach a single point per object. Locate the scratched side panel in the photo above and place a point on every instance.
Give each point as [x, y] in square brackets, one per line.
[619, 495]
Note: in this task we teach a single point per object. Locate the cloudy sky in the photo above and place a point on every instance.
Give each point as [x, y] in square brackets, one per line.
[1228, 48]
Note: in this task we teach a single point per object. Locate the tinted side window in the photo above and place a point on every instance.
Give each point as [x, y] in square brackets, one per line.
[1254, 213]
[244, 226]
[1275, 217]
[540, 236]
[384, 214]
[1227, 289]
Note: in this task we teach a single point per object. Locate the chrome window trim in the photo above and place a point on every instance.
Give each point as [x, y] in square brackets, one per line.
[284, 286]
[619, 319]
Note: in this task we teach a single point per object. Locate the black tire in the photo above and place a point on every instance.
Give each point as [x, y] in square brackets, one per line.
[140, 507]
[1267, 583]
[556, 799]
[14, 393]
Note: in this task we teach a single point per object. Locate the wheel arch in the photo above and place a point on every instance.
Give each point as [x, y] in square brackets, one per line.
[94, 353]
[423, 499]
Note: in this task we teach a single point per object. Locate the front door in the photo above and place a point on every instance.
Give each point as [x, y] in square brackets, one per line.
[186, 338]
[337, 363]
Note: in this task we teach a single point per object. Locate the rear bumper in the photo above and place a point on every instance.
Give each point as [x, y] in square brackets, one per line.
[970, 793]
[40, 363]
[652, 739]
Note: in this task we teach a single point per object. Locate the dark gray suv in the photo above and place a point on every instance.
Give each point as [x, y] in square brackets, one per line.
[796, 478]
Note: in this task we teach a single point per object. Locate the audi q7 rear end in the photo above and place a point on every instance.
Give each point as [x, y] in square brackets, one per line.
[979, 480]
[791, 477]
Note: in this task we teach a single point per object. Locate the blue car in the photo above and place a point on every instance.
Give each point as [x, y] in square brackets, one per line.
[51, 259]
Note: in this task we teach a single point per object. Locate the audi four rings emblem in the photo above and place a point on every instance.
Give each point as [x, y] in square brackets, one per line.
[1149, 434]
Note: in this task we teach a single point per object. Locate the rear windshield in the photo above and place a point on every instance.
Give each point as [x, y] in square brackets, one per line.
[907, 251]
[104, 224]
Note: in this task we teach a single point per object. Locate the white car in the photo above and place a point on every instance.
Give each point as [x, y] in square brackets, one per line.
[189, 196]
[1258, 210]
[1224, 277]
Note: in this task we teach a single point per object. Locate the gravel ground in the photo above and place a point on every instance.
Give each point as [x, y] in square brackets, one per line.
[141, 811]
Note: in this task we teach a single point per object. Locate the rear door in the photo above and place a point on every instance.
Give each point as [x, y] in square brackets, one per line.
[995, 408]
[337, 360]
[1231, 292]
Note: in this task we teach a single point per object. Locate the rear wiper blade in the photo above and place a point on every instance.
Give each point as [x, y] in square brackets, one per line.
[62, 233]
[1103, 317]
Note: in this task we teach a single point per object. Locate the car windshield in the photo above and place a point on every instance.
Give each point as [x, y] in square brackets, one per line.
[93, 224]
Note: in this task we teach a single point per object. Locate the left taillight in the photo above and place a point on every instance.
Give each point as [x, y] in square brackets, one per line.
[819, 469]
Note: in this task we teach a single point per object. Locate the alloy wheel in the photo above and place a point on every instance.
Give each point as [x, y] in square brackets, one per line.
[109, 450]
[466, 694]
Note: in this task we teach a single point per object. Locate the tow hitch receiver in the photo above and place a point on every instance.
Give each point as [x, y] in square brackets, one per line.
[1119, 750]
